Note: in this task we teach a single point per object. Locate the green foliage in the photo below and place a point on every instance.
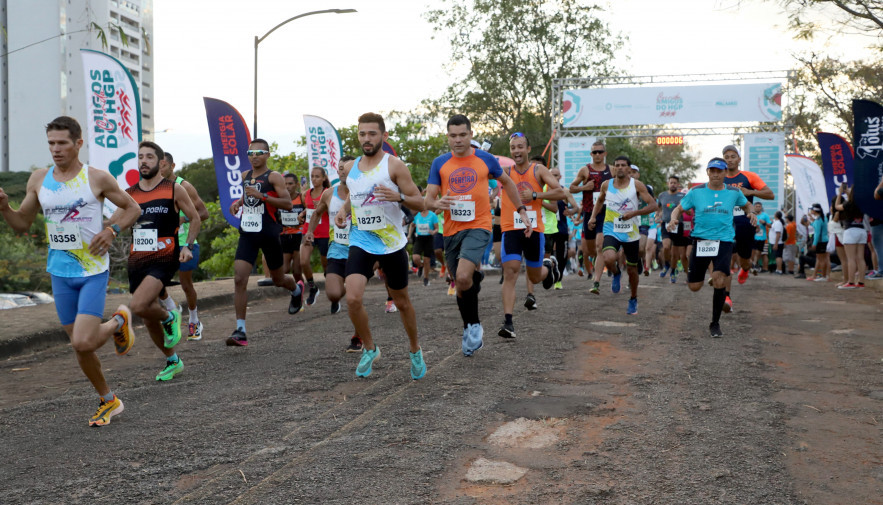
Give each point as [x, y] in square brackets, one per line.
[821, 96]
[15, 184]
[838, 17]
[201, 173]
[513, 51]
[23, 259]
[657, 163]
[219, 262]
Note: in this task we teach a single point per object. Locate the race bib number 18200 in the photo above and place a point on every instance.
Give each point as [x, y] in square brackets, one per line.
[144, 240]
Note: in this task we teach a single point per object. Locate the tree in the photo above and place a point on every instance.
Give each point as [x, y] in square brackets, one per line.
[513, 51]
[656, 162]
[822, 93]
[843, 16]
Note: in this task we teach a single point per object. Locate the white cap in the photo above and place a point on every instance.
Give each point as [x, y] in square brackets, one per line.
[635, 167]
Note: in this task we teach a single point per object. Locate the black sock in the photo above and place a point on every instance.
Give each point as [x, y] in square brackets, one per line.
[717, 304]
[726, 293]
[508, 318]
[461, 305]
[310, 282]
[477, 277]
[469, 307]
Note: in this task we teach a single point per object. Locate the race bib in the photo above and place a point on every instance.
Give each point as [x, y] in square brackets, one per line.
[620, 226]
[424, 228]
[463, 210]
[289, 218]
[688, 225]
[310, 214]
[706, 248]
[342, 235]
[595, 196]
[738, 211]
[370, 218]
[531, 215]
[144, 240]
[252, 220]
[64, 236]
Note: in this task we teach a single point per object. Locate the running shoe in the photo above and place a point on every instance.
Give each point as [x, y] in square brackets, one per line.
[848, 285]
[172, 368]
[754, 271]
[646, 273]
[418, 366]
[425, 281]
[558, 285]
[581, 272]
[614, 284]
[821, 279]
[664, 272]
[507, 330]
[297, 299]
[799, 276]
[715, 330]
[557, 271]
[860, 285]
[335, 307]
[596, 288]
[124, 337]
[238, 338]
[549, 280]
[633, 307]
[355, 344]
[728, 305]
[441, 273]
[194, 331]
[452, 290]
[106, 410]
[674, 277]
[743, 276]
[711, 281]
[172, 330]
[366, 364]
[530, 302]
[314, 292]
[473, 339]
[391, 307]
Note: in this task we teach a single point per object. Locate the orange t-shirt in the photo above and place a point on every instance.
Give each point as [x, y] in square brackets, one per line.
[791, 230]
[526, 181]
[466, 179]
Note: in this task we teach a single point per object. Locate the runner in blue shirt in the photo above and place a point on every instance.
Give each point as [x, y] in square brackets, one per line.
[713, 233]
[760, 238]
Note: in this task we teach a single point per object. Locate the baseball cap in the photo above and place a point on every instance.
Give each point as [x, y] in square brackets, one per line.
[817, 207]
[475, 144]
[635, 167]
[717, 163]
[733, 148]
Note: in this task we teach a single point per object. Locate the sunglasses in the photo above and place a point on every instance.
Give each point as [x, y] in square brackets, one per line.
[257, 152]
[516, 135]
[598, 152]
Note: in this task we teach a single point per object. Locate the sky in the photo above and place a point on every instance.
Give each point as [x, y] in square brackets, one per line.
[384, 58]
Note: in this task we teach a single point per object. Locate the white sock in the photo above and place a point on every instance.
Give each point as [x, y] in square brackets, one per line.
[168, 303]
[194, 317]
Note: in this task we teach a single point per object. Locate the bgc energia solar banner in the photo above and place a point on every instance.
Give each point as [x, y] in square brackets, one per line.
[113, 116]
[837, 162]
[868, 169]
[230, 139]
[760, 102]
[323, 145]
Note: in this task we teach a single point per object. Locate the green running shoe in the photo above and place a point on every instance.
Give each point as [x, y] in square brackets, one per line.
[172, 330]
[172, 368]
[596, 288]
[367, 361]
[418, 366]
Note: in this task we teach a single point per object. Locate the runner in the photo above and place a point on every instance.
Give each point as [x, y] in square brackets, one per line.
[292, 229]
[588, 182]
[425, 225]
[378, 185]
[461, 177]
[263, 193]
[760, 239]
[72, 195]
[752, 186]
[713, 233]
[530, 178]
[155, 255]
[185, 270]
[643, 226]
[620, 196]
[674, 243]
[320, 182]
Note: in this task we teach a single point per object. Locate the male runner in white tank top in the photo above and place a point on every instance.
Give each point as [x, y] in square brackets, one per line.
[72, 196]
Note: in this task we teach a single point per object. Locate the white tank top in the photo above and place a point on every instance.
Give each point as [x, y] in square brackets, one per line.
[73, 217]
[376, 226]
[338, 235]
[618, 202]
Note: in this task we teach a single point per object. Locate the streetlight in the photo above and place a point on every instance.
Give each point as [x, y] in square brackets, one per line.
[258, 40]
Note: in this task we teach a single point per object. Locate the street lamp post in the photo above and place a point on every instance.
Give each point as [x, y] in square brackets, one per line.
[258, 40]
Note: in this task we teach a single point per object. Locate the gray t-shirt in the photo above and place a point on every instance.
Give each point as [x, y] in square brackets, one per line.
[668, 202]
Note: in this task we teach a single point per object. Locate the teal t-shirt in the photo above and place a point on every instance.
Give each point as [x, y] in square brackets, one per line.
[423, 224]
[763, 220]
[714, 211]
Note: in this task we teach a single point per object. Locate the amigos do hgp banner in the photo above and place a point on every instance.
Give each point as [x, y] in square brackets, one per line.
[323, 145]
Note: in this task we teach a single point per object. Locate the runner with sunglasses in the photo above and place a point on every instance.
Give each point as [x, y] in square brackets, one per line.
[588, 182]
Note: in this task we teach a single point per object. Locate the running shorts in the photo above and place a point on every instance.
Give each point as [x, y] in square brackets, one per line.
[699, 265]
[394, 265]
[79, 295]
[515, 245]
[467, 244]
[632, 249]
[266, 241]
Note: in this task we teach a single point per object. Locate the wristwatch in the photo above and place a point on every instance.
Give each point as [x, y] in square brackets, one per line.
[189, 245]
[534, 195]
[401, 197]
[264, 197]
[116, 229]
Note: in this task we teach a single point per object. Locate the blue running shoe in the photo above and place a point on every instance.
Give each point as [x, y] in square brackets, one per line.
[474, 339]
[367, 361]
[614, 285]
[633, 307]
[465, 345]
[418, 366]
[664, 272]
[674, 277]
